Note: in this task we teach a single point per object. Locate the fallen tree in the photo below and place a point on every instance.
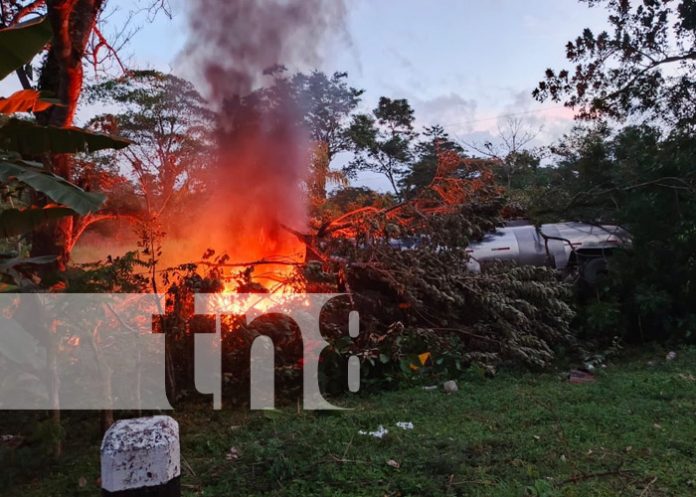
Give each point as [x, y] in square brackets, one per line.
[422, 311]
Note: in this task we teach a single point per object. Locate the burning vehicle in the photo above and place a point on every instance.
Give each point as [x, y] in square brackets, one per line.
[565, 246]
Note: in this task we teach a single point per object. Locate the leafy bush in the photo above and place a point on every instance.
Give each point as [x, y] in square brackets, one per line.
[645, 182]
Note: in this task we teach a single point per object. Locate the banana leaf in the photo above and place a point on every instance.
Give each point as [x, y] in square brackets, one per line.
[24, 101]
[29, 138]
[15, 222]
[56, 188]
[19, 44]
[40, 260]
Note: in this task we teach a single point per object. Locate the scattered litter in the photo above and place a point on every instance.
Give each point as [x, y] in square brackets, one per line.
[536, 437]
[578, 377]
[424, 358]
[404, 425]
[450, 386]
[671, 356]
[380, 433]
[657, 426]
[12, 441]
[232, 455]
[393, 464]
[430, 387]
[563, 458]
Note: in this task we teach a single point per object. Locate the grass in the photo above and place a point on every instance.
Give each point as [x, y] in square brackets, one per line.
[632, 432]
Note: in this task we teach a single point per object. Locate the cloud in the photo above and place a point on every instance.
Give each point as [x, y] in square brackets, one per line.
[451, 110]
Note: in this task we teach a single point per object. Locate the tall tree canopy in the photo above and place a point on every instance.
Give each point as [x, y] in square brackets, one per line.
[169, 123]
[644, 63]
[383, 140]
[436, 141]
[318, 105]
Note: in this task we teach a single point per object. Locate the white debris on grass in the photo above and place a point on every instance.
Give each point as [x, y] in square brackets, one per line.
[379, 433]
[671, 356]
[450, 386]
[404, 425]
[232, 454]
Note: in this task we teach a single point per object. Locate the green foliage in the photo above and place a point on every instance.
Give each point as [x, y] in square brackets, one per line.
[19, 44]
[541, 488]
[21, 139]
[28, 138]
[319, 103]
[505, 314]
[126, 274]
[344, 200]
[422, 172]
[647, 183]
[15, 222]
[383, 140]
[425, 299]
[643, 65]
[51, 185]
[18, 137]
[326, 104]
[170, 125]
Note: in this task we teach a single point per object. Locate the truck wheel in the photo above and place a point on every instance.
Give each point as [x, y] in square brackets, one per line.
[594, 270]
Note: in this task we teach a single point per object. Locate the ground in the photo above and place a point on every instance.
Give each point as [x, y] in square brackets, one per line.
[632, 433]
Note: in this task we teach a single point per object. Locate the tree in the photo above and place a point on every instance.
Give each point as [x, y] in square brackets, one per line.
[512, 150]
[427, 152]
[642, 179]
[344, 200]
[75, 36]
[62, 76]
[383, 140]
[169, 123]
[314, 106]
[643, 65]
[24, 139]
[326, 104]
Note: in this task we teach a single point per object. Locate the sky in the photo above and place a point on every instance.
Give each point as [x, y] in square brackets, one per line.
[457, 61]
[465, 64]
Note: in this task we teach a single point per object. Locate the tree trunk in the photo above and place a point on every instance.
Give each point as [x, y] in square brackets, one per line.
[62, 75]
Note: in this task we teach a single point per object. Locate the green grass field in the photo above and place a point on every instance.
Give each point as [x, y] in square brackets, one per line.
[632, 433]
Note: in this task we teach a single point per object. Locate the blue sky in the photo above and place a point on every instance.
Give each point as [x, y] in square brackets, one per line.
[461, 63]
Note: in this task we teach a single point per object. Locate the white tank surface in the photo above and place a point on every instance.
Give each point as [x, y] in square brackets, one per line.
[557, 245]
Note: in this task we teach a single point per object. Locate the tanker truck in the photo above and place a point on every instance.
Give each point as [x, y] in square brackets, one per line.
[565, 246]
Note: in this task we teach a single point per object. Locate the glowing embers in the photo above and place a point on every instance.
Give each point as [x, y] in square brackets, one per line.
[251, 305]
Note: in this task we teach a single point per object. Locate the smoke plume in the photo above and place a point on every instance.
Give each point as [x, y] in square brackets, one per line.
[257, 186]
[234, 41]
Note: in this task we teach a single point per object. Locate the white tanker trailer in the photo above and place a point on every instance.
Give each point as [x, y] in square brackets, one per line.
[564, 246]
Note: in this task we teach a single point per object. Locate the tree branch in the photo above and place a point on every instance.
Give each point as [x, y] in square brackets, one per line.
[26, 10]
